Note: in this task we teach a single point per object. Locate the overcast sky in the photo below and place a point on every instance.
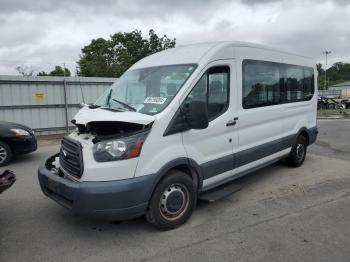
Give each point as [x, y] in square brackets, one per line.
[44, 33]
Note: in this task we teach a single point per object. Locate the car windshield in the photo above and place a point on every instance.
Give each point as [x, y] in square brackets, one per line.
[146, 90]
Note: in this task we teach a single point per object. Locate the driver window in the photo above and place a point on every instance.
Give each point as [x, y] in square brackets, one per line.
[213, 89]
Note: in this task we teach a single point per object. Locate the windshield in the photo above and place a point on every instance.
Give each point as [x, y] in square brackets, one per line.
[146, 90]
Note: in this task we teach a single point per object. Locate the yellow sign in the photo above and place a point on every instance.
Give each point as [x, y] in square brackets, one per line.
[39, 96]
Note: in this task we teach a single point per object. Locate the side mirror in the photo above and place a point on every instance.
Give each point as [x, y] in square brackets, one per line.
[197, 115]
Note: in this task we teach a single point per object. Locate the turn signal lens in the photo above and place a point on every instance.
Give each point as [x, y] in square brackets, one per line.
[135, 151]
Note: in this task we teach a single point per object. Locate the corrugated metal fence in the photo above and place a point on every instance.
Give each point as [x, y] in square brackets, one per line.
[340, 92]
[330, 93]
[47, 104]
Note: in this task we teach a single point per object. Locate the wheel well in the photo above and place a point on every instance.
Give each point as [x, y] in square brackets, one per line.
[9, 145]
[305, 134]
[187, 169]
[184, 168]
[190, 172]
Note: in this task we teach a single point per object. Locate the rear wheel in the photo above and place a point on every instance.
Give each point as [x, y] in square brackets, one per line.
[5, 154]
[172, 201]
[298, 153]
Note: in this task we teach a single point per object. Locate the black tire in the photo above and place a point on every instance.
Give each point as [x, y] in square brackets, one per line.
[5, 154]
[331, 106]
[298, 153]
[172, 202]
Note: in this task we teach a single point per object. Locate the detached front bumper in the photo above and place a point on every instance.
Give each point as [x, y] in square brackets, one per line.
[7, 179]
[110, 200]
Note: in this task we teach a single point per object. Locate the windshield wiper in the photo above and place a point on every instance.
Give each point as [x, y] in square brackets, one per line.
[109, 98]
[117, 109]
[124, 104]
[93, 106]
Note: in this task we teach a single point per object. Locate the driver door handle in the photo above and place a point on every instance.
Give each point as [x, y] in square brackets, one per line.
[231, 123]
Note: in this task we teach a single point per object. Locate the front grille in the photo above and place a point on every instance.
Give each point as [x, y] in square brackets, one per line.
[71, 157]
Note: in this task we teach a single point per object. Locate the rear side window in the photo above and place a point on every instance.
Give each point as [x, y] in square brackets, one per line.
[308, 83]
[294, 83]
[261, 84]
[268, 83]
[213, 89]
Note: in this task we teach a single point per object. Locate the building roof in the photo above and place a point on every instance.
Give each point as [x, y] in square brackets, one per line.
[344, 85]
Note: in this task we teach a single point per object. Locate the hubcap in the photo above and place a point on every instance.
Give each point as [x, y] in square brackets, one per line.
[3, 154]
[300, 152]
[174, 202]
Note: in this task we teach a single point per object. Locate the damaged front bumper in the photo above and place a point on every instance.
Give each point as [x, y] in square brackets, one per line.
[7, 179]
[107, 200]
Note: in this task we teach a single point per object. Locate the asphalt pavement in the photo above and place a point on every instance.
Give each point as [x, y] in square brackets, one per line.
[281, 214]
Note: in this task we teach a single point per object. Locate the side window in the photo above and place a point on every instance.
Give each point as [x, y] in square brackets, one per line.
[294, 83]
[213, 89]
[261, 84]
[269, 83]
[308, 84]
[218, 80]
[199, 91]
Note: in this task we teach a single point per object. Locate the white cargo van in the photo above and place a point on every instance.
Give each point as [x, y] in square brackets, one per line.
[180, 123]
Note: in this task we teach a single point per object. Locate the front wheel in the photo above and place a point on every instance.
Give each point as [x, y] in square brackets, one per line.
[298, 153]
[172, 201]
[5, 154]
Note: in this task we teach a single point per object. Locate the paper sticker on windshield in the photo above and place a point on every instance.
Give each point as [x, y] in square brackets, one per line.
[155, 100]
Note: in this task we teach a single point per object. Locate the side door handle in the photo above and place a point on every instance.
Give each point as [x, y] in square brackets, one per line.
[231, 123]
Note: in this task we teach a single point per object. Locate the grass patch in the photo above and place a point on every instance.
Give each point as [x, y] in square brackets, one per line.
[343, 113]
[333, 111]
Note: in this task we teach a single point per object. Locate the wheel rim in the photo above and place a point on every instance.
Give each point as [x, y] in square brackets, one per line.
[3, 154]
[174, 202]
[300, 152]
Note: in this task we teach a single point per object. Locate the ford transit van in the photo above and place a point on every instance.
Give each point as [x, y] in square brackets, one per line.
[180, 123]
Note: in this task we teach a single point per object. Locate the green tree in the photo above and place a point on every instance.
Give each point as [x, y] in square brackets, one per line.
[58, 71]
[320, 79]
[112, 57]
[25, 70]
[337, 73]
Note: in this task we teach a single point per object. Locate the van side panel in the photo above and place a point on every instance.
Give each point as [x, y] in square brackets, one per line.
[267, 133]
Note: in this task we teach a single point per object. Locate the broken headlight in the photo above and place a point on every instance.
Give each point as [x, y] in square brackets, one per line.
[119, 148]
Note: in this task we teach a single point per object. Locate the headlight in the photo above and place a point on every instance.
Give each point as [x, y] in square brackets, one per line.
[20, 132]
[118, 149]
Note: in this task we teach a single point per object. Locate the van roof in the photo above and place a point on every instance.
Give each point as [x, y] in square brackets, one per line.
[193, 53]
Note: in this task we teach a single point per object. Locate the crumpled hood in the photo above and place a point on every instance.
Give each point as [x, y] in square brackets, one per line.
[86, 115]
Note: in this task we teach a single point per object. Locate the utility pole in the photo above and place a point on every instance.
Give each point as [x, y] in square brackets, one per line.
[65, 97]
[325, 71]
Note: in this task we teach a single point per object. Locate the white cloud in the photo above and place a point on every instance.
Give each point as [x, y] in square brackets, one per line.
[44, 33]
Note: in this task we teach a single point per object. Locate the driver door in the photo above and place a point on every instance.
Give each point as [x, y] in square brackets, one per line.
[212, 148]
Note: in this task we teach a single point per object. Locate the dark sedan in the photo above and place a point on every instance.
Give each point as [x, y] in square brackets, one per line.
[15, 139]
